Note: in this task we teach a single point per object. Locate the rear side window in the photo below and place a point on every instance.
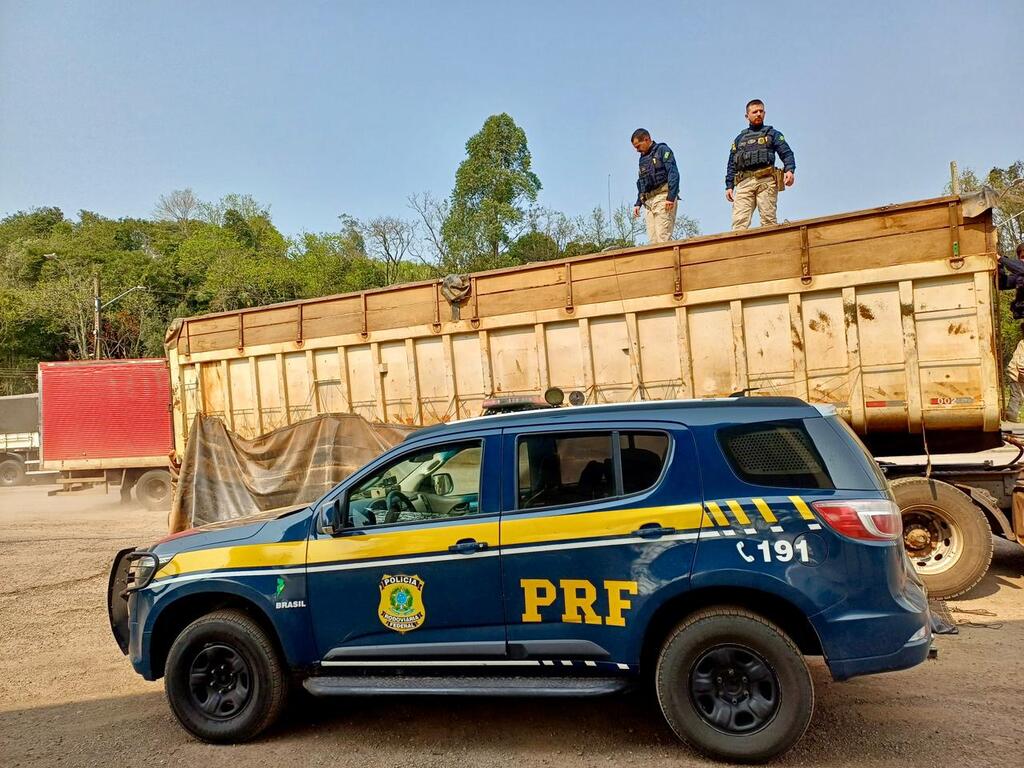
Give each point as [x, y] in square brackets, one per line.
[777, 454]
[576, 468]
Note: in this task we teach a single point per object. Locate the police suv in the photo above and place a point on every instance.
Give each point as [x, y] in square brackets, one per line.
[705, 546]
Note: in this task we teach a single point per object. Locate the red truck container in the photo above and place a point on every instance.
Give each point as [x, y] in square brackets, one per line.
[108, 421]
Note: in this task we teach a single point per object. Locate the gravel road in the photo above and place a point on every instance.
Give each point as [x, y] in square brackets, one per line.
[68, 696]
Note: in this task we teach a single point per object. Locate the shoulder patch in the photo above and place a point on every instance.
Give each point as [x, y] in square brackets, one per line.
[780, 137]
[667, 154]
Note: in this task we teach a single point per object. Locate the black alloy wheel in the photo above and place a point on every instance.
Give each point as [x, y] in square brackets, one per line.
[225, 681]
[220, 681]
[734, 689]
[733, 685]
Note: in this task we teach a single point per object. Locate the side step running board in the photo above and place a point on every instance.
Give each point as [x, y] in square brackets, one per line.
[464, 686]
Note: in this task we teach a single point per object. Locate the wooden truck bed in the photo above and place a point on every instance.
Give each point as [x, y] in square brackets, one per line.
[886, 313]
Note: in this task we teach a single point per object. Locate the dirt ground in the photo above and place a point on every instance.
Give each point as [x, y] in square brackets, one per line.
[68, 696]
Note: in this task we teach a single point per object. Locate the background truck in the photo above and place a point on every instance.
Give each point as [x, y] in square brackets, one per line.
[889, 314]
[108, 422]
[19, 437]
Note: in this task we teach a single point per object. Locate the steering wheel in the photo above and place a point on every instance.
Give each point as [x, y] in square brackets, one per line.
[396, 501]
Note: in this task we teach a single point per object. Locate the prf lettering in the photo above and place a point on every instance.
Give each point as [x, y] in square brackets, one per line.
[578, 598]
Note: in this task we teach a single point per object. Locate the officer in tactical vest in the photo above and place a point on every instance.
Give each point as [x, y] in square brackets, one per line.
[657, 186]
[751, 177]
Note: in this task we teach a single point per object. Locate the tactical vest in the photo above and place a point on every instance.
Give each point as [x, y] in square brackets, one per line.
[653, 172]
[754, 149]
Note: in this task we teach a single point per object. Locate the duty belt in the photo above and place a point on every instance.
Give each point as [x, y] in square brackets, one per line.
[757, 173]
[653, 192]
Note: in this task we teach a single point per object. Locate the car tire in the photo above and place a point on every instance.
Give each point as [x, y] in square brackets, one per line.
[945, 534]
[224, 680]
[153, 489]
[12, 473]
[734, 686]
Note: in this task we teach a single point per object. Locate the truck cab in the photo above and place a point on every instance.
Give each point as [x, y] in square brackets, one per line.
[705, 546]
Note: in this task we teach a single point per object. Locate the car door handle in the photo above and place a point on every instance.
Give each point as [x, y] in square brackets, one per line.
[467, 546]
[653, 531]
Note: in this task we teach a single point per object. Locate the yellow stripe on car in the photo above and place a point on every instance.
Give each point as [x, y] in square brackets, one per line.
[737, 510]
[391, 543]
[585, 525]
[398, 543]
[716, 513]
[765, 510]
[241, 556]
[802, 508]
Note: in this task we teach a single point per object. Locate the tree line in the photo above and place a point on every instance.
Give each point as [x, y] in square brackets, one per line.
[194, 256]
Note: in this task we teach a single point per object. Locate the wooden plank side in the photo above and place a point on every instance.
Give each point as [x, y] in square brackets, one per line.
[657, 344]
[710, 333]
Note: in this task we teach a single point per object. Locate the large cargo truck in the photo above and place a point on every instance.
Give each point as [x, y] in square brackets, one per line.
[109, 422]
[887, 314]
[19, 438]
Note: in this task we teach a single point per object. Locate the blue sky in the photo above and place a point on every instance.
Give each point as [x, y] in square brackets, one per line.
[324, 108]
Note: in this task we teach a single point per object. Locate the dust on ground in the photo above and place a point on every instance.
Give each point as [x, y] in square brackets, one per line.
[68, 696]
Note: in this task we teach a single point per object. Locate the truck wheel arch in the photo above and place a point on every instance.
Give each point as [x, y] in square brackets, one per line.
[776, 609]
[178, 614]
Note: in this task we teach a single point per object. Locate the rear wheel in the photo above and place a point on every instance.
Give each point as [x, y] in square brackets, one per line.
[946, 536]
[153, 489]
[734, 686]
[224, 680]
[12, 472]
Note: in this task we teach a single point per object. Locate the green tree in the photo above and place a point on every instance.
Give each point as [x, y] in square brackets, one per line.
[492, 186]
[1008, 215]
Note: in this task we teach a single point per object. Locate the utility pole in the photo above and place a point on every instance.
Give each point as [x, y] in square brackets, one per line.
[954, 177]
[96, 315]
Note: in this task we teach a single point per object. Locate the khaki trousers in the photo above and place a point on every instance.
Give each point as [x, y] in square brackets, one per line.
[752, 191]
[660, 222]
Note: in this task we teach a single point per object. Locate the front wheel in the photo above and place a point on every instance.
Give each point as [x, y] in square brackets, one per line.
[734, 686]
[224, 680]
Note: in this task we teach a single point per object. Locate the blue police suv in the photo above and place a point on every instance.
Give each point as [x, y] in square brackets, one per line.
[706, 547]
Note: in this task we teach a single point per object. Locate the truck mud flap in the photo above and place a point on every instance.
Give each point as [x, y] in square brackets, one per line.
[117, 599]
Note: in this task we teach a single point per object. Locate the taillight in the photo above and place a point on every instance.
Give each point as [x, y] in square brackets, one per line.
[870, 519]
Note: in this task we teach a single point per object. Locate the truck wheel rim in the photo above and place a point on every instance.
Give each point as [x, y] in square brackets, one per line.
[220, 682]
[8, 475]
[734, 689]
[932, 538]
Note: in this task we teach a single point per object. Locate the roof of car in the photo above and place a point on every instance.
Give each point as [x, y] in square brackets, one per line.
[739, 409]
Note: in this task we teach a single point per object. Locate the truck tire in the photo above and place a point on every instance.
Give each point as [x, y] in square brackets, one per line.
[223, 678]
[732, 685]
[946, 536]
[12, 472]
[153, 489]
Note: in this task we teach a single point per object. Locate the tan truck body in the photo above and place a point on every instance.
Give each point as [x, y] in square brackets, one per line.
[887, 313]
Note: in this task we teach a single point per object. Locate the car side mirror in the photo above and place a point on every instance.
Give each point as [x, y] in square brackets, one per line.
[336, 516]
[443, 483]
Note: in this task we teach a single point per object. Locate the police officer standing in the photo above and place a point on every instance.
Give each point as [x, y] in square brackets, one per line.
[657, 186]
[751, 177]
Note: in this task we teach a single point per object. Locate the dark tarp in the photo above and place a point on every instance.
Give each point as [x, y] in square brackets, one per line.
[224, 476]
[19, 414]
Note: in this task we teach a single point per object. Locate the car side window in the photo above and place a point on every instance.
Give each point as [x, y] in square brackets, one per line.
[436, 482]
[576, 468]
[777, 454]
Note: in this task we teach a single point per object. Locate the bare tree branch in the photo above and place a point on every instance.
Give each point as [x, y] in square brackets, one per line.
[180, 206]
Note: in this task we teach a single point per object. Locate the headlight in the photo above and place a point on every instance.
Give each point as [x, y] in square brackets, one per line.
[142, 569]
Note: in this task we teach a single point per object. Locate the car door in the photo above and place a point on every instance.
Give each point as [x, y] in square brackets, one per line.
[597, 520]
[409, 577]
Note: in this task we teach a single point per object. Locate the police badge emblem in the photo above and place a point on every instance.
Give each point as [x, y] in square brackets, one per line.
[401, 603]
